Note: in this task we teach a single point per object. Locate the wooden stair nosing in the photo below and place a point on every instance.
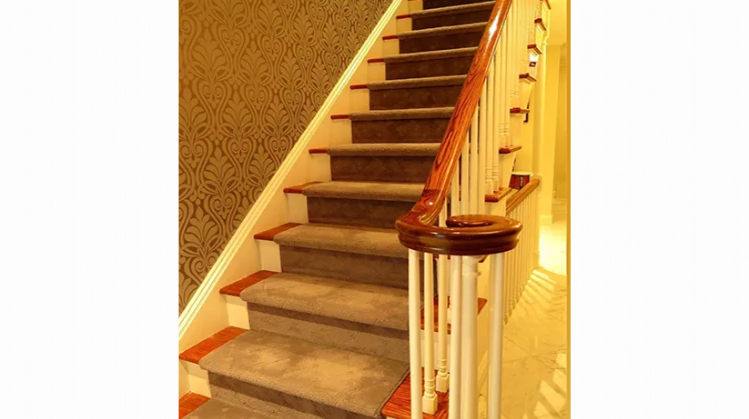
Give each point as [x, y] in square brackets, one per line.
[534, 48]
[541, 23]
[528, 77]
[298, 188]
[189, 402]
[210, 344]
[510, 148]
[236, 288]
[268, 235]
[498, 195]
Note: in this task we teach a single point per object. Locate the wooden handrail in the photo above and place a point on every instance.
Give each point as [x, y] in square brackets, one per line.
[464, 234]
[520, 195]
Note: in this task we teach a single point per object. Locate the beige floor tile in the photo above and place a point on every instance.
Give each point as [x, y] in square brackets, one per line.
[531, 389]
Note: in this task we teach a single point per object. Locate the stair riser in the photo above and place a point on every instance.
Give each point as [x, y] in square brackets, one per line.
[362, 338]
[435, 4]
[282, 405]
[422, 97]
[356, 212]
[451, 20]
[369, 269]
[440, 42]
[455, 66]
[399, 131]
[381, 169]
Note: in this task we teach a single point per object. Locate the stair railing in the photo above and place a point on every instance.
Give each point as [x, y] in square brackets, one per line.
[466, 169]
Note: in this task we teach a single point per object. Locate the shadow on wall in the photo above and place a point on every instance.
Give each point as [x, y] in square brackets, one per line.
[252, 74]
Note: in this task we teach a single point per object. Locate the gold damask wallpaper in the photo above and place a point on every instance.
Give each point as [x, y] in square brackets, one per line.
[252, 74]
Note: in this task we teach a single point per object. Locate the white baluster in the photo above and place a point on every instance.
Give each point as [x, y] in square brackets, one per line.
[456, 337]
[430, 398]
[414, 338]
[496, 311]
[464, 184]
[474, 167]
[443, 379]
[482, 190]
[469, 378]
[491, 127]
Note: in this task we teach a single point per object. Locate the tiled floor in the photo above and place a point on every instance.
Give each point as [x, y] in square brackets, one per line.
[534, 377]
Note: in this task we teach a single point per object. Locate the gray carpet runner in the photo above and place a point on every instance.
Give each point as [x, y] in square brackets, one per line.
[328, 335]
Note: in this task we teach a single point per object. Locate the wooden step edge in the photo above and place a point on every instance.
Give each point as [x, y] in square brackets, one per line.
[405, 16]
[528, 77]
[540, 22]
[321, 150]
[299, 188]
[236, 288]
[481, 302]
[339, 116]
[534, 48]
[509, 149]
[499, 195]
[376, 60]
[389, 37]
[358, 86]
[189, 402]
[399, 404]
[270, 234]
[210, 344]
[519, 110]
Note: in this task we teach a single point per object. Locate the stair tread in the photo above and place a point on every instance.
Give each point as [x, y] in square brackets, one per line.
[386, 149]
[376, 191]
[352, 301]
[444, 30]
[215, 409]
[431, 55]
[447, 10]
[418, 82]
[324, 374]
[400, 114]
[361, 240]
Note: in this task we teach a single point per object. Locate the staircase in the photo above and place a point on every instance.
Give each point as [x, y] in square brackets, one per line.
[329, 333]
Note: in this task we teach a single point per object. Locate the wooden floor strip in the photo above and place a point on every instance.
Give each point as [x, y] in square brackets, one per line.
[399, 404]
[270, 234]
[189, 402]
[197, 352]
[236, 288]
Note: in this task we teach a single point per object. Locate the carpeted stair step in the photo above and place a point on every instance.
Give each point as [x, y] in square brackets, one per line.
[449, 62]
[360, 317]
[366, 204]
[214, 409]
[426, 125]
[425, 92]
[360, 254]
[319, 380]
[435, 4]
[446, 37]
[452, 15]
[387, 162]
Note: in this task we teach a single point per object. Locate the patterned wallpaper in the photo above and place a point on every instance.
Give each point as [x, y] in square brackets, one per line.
[252, 74]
